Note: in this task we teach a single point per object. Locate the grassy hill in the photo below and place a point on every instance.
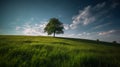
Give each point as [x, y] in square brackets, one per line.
[39, 51]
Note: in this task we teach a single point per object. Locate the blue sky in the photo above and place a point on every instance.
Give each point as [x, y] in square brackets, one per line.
[87, 19]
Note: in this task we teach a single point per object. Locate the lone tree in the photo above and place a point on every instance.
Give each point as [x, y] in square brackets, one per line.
[54, 27]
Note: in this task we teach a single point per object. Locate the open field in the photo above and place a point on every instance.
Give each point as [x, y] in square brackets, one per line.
[40, 51]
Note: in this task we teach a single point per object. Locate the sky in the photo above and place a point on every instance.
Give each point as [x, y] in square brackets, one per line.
[86, 19]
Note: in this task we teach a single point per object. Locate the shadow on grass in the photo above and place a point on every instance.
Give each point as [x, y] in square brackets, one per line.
[27, 41]
[95, 62]
[63, 43]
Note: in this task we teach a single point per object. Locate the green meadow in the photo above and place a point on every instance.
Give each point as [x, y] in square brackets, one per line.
[43, 51]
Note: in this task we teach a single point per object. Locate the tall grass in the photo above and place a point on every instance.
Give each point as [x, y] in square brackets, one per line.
[36, 51]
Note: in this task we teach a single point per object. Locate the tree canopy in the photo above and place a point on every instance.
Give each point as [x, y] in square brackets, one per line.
[54, 26]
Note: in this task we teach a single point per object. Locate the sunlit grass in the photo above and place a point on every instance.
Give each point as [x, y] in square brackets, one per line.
[39, 51]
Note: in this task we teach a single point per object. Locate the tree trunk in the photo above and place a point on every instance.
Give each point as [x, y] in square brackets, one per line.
[54, 34]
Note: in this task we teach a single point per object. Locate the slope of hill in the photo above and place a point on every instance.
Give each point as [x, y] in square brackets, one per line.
[39, 51]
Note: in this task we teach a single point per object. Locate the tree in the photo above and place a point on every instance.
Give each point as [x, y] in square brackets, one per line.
[97, 40]
[54, 26]
[114, 42]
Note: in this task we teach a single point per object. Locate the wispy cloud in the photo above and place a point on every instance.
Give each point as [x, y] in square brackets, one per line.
[88, 15]
[83, 17]
[100, 26]
[107, 32]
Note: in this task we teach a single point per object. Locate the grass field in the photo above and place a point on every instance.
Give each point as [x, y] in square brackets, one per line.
[40, 51]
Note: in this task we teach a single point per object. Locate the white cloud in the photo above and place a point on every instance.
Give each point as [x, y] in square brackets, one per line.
[66, 26]
[32, 29]
[83, 17]
[88, 15]
[84, 35]
[106, 32]
[73, 26]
